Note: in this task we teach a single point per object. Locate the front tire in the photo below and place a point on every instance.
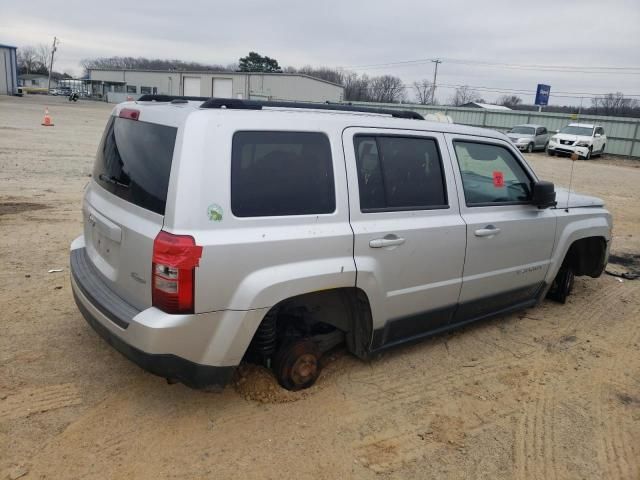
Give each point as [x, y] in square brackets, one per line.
[297, 364]
[530, 148]
[562, 285]
[589, 153]
[551, 153]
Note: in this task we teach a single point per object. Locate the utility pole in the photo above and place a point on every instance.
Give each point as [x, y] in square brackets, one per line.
[53, 51]
[435, 77]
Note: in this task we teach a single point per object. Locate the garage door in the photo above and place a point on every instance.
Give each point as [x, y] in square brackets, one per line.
[191, 86]
[223, 87]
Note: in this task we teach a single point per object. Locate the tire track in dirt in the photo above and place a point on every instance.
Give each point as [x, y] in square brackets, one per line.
[612, 438]
[401, 384]
[389, 451]
[618, 399]
[32, 400]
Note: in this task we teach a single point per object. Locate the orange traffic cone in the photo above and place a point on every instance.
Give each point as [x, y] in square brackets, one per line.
[47, 122]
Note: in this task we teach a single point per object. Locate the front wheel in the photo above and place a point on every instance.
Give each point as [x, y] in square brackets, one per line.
[297, 364]
[588, 155]
[551, 153]
[530, 148]
[562, 285]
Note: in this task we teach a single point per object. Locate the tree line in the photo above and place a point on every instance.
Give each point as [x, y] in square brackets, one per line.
[357, 87]
[35, 59]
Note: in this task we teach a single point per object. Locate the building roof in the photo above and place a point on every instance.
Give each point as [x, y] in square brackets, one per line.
[2, 45]
[486, 106]
[212, 72]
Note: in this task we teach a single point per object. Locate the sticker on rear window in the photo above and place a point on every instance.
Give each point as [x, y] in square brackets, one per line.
[214, 212]
[498, 179]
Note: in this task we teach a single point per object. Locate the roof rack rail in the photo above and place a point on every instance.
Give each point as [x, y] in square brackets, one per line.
[238, 104]
[170, 98]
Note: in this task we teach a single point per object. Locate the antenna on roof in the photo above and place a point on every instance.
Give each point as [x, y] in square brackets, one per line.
[574, 157]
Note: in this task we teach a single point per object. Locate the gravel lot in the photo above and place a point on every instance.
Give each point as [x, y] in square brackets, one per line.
[550, 393]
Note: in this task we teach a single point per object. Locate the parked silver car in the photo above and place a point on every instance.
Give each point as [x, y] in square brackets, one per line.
[529, 137]
[223, 230]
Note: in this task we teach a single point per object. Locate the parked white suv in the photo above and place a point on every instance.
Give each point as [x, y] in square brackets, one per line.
[585, 139]
[223, 230]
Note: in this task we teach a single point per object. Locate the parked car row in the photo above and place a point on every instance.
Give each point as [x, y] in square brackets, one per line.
[66, 91]
[585, 139]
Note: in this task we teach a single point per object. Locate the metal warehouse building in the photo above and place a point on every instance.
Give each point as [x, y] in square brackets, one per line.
[116, 85]
[8, 70]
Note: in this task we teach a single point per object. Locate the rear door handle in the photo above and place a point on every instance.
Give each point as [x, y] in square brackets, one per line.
[388, 241]
[488, 231]
[105, 226]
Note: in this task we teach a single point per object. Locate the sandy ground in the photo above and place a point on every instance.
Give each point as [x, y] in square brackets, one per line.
[550, 393]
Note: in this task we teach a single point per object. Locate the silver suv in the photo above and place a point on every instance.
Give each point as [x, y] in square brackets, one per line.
[221, 230]
[529, 137]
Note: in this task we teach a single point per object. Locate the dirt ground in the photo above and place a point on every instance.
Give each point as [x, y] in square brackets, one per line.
[550, 393]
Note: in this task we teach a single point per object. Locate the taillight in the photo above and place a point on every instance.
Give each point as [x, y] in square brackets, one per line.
[175, 258]
[130, 113]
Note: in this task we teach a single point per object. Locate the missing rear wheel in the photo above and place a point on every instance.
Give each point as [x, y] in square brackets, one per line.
[297, 364]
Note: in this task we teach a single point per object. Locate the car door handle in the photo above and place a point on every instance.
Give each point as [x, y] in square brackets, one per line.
[105, 226]
[488, 231]
[388, 241]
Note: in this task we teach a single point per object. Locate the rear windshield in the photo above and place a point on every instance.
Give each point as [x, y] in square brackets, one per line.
[134, 162]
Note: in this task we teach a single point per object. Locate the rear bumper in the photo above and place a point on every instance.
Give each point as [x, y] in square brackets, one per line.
[164, 365]
[199, 350]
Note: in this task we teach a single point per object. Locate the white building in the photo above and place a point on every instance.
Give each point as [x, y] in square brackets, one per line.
[116, 85]
[8, 70]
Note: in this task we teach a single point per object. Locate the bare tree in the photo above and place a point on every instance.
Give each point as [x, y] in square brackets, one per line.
[141, 63]
[464, 94]
[509, 100]
[28, 60]
[325, 73]
[43, 55]
[423, 89]
[613, 104]
[387, 89]
[356, 88]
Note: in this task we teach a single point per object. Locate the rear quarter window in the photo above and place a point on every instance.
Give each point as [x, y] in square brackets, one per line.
[281, 173]
[134, 162]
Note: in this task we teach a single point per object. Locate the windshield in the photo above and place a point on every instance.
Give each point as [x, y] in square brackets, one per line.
[572, 130]
[523, 130]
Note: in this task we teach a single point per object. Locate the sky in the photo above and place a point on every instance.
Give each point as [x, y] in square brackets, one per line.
[493, 44]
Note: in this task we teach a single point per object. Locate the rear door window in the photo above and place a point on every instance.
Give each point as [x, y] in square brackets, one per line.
[281, 173]
[399, 173]
[134, 162]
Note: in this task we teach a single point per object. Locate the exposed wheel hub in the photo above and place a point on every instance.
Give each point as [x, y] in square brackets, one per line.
[304, 369]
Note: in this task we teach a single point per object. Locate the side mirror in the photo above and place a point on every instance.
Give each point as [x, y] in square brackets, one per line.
[543, 194]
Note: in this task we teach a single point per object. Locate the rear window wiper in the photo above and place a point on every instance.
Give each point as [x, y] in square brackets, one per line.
[112, 179]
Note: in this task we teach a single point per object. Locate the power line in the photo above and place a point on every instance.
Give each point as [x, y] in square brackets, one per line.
[435, 78]
[559, 94]
[53, 52]
[591, 69]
